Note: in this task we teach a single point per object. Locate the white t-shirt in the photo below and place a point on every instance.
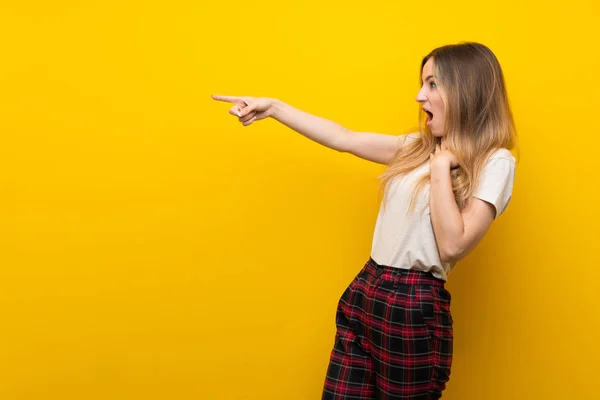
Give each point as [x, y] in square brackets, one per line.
[405, 239]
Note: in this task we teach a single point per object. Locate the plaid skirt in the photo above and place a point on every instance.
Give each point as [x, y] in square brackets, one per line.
[393, 339]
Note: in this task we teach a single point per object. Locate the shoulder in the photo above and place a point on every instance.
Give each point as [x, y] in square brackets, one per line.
[501, 161]
[496, 181]
[502, 154]
[500, 165]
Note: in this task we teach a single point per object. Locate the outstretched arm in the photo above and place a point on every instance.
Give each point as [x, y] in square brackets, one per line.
[376, 147]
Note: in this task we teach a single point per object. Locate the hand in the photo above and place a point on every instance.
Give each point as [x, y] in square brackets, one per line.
[248, 109]
[443, 156]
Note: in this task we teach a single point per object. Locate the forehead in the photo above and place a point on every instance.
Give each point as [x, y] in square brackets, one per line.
[427, 69]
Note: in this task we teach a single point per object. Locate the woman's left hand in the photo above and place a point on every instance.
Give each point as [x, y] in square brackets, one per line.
[443, 156]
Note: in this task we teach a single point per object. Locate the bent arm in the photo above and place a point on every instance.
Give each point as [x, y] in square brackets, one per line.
[456, 232]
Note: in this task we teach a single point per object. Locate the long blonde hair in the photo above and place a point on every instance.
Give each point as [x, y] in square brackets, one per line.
[478, 119]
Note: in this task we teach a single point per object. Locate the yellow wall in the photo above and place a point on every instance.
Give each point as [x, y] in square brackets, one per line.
[152, 248]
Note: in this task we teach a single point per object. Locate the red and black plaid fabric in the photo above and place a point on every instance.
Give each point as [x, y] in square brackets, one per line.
[394, 337]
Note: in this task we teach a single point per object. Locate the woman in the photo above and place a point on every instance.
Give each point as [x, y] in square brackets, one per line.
[443, 187]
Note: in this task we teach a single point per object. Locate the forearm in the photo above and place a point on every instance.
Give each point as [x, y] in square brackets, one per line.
[320, 130]
[448, 224]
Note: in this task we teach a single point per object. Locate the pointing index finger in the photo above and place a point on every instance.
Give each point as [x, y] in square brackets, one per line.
[228, 99]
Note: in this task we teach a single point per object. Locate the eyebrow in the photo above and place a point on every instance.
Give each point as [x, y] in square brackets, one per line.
[428, 78]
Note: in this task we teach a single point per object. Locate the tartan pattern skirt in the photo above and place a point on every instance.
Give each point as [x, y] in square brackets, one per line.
[393, 339]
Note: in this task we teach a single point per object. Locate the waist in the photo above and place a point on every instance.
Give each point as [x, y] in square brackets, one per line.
[402, 275]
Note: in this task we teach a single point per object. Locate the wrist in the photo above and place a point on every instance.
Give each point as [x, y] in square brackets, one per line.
[440, 165]
[276, 108]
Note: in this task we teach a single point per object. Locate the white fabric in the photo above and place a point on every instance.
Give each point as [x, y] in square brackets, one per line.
[405, 240]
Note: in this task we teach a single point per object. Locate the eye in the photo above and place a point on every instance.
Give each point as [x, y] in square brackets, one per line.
[432, 85]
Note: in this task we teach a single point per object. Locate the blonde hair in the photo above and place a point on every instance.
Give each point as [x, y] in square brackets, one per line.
[478, 119]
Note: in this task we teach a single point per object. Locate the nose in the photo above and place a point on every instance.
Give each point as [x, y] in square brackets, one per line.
[421, 98]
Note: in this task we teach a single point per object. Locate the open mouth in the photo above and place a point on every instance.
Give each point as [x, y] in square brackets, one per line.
[429, 115]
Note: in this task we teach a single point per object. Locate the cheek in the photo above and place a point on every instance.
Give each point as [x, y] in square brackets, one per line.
[439, 104]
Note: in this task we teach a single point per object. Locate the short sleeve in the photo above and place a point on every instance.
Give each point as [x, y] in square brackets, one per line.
[497, 180]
